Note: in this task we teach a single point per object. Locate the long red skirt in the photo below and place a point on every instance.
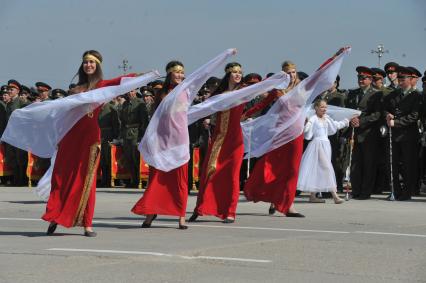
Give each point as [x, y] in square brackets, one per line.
[274, 177]
[167, 193]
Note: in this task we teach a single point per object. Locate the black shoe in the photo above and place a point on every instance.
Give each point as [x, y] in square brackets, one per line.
[182, 227]
[228, 220]
[90, 234]
[148, 225]
[271, 210]
[52, 228]
[294, 214]
[193, 217]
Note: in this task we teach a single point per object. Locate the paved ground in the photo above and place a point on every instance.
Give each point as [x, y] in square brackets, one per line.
[358, 241]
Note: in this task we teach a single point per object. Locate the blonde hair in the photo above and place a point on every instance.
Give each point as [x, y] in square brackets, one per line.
[286, 66]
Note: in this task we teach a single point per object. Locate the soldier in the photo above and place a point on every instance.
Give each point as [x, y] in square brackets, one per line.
[382, 175]
[16, 158]
[134, 120]
[366, 134]
[25, 94]
[58, 93]
[3, 113]
[43, 91]
[401, 108]
[147, 94]
[392, 74]
[109, 123]
[335, 96]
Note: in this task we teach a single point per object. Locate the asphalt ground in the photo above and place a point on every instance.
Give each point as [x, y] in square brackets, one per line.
[358, 241]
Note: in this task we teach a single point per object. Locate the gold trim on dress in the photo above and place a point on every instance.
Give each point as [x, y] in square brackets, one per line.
[217, 145]
[90, 175]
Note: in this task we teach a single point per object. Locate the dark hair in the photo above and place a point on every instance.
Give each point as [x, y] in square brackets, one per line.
[83, 78]
[224, 83]
[159, 95]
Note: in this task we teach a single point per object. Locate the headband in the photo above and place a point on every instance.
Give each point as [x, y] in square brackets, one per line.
[91, 57]
[233, 69]
[177, 68]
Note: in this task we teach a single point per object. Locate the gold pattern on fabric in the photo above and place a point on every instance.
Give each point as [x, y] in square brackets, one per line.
[217, 145]
[90, 175]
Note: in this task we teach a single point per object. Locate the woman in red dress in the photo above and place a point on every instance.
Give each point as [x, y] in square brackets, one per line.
[167, 192]
[73, 186]
[274, 176]
[219, 182]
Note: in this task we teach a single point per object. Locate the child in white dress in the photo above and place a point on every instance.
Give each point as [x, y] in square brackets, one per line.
[316, 171]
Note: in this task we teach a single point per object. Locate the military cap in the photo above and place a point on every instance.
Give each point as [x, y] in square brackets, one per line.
[14, 84]
[404, 72]
[3, 89]
[41, 86]
[391, 67]
[252, 78]
[146, 91]
[71, 86]
[302, 75]
[416, 73]
[58, 92]
[377, 72]
[157, 84]
[364, 71]
[213, 81]
[25, 89]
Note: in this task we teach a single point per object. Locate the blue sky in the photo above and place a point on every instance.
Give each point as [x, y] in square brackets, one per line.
[43, 40]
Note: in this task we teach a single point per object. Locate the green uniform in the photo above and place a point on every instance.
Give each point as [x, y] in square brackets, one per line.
[17, 158]
[134, 120]
[109, 124]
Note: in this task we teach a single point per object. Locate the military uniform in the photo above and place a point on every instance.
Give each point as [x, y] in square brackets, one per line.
[134, 120]
[109, 123]
[405, 136]
[17, 158]
[366, 140]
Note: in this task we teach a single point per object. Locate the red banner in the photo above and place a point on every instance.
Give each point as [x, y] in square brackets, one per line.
[143, 169]
[4, 169]
[196, 164]
[118, 169]
[34, 171]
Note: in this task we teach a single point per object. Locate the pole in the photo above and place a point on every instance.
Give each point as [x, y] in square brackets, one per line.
[392, 195]
[348, 170]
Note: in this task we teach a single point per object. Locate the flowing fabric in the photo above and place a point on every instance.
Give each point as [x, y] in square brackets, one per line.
[285, 120]
[165, 144]
[72, 197]
[220, 177]
[40, 126]
[234, 98]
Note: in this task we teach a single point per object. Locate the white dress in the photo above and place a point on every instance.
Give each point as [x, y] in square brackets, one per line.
[316, 172]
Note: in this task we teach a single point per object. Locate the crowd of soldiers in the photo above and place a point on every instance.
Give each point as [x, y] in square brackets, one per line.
[387, 137]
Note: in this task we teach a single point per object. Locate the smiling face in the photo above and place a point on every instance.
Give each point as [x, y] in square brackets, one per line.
[235, 76]
[89, 66]
[176, 77]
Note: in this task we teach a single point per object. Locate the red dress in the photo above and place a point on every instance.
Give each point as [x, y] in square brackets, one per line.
[167, 192]
[73, 186]
[274, 176]
[220, 177]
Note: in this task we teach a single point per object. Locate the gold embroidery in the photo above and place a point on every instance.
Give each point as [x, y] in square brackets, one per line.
[90, 114]
[217, 145]
[90, 175]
